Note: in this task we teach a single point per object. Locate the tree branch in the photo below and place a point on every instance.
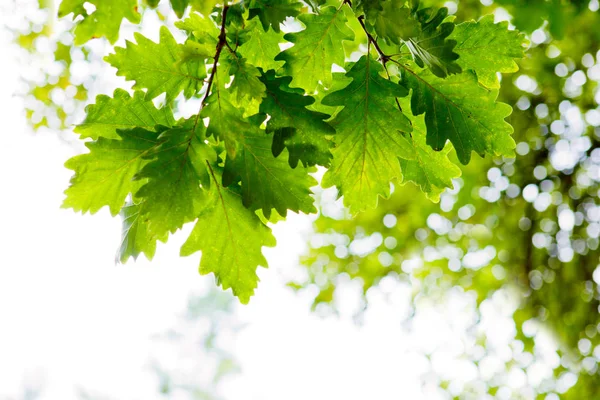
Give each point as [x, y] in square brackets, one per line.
[371, 40]
[384, 58]
[220, 44]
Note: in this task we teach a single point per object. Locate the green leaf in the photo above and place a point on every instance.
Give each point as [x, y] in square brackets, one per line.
[67, 7]
[302, 131]
[260, 47]
[554, 15]
[173, 194]
[368, 6]
[246, 90]
[422, 31]
[194, 51]
[273, 12]
[227, 122]
[460, 110]
[316, 48]
[137, 237]
[315, 4]
[122, 111]
[370, 136]
[431, 170]
[431, 47]
[231, 238]
[157, 67]
[179, 6]
[104, 176]
[488, 48]
[268, 182]
[105, 21]
[340, 81]
[392, 20]
[152, 3]
[204, 6]
[202, 28]
[202, 37]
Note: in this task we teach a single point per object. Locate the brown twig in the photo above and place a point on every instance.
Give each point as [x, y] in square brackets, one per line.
[220, 44]
[371, 40]
[383, 57]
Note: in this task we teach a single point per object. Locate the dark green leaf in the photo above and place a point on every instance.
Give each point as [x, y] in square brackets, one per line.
[268, 182]
[302, 131]
[460, 110]
[273, 12]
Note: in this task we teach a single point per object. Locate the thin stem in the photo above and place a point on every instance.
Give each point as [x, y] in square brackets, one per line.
[371, 40]
[402, 54]
[222, 42]
[384, 58]
[229, 47]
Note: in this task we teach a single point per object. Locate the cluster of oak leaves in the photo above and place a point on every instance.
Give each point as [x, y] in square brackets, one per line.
[419, 86]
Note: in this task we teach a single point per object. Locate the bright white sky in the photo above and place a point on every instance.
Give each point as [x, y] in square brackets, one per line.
[70, 317]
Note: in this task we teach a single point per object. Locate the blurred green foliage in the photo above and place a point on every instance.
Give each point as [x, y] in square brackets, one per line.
[53, 92]
[530, 227]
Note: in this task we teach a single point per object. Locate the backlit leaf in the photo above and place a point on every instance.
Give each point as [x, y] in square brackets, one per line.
[104, 176]
[316, 48]
[157, 67]
[104, 21]
[122, 111]
[231, 238]
[137, 236]
[371, 134]
[488, 48]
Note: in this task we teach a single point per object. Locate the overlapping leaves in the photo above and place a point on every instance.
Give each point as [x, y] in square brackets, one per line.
[302, 131]
[424, 32]
[271, 108]
[316, 48]
[122, 111]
